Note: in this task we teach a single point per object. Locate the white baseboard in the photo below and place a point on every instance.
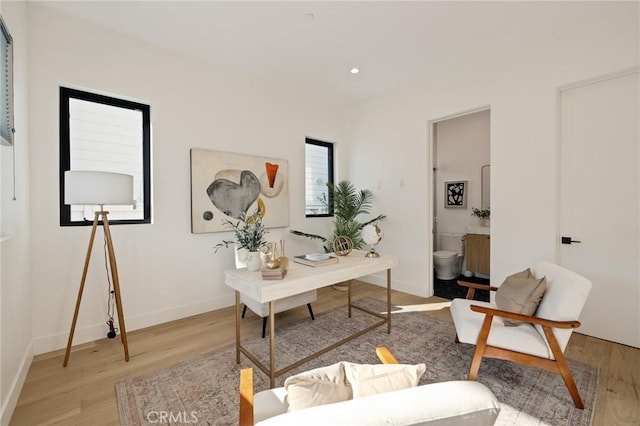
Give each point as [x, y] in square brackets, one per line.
[9, 405]
[94, 332]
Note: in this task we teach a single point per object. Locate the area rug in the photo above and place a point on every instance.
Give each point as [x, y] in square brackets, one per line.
[204, 390]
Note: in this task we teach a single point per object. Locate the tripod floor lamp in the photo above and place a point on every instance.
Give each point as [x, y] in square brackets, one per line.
[99, 188]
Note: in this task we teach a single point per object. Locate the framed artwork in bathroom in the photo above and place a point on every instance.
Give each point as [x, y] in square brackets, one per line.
[455, 194]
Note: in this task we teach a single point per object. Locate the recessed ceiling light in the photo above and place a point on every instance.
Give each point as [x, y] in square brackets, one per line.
[354, 70]
[309, 16]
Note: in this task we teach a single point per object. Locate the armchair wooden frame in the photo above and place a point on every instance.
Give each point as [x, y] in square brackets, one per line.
[246, 386]
[557, 365]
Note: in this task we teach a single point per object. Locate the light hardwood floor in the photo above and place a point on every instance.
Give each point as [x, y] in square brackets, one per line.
[84, 393]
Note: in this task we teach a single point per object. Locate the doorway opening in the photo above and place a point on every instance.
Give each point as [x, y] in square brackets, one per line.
[460, 160]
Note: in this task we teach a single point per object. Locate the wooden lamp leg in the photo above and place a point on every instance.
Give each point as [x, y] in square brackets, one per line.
[116, 285]
[82, 281]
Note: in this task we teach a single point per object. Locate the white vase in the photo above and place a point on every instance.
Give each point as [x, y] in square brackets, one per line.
[241, 256]
[254, 261]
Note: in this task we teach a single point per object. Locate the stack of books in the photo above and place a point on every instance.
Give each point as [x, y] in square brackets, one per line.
[315, 259]
[274, 274]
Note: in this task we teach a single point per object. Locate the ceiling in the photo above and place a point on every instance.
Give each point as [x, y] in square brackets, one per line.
[393, 43]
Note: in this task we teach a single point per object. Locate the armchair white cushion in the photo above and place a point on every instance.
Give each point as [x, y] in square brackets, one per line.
[541, 339]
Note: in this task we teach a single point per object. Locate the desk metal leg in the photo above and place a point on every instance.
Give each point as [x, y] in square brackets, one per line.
[349, 296]
[237, 327]
[388, 301]
[270, 370]
[272, 344]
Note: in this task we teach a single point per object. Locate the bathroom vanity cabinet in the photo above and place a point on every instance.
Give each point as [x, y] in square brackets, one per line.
[477, 252]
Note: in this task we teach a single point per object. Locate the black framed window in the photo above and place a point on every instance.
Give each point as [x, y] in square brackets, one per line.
[102, 133]
[318, 172]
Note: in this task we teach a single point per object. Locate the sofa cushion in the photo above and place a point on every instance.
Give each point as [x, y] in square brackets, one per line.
[520, 293]
[324, 385]
[370, 379]
[346, 380]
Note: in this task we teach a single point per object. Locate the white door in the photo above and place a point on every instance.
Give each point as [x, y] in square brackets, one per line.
[599, 201]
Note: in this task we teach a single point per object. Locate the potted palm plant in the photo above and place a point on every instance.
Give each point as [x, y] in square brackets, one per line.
[348, 204]
[249, 235]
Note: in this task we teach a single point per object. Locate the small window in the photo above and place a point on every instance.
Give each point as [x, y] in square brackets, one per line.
[318, 172]
[101, 133]
[6, 113]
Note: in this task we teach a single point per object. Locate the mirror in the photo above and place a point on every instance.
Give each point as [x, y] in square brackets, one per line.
[485, 182]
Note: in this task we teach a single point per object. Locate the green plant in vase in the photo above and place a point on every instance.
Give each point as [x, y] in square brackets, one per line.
[482, 214]
[249, 234]
[348, 204]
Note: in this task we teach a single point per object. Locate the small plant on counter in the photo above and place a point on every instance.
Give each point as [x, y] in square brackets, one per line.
[481, 213]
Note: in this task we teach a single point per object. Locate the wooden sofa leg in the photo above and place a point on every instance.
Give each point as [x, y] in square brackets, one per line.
[475, 364]
[264, 326]
[244, 310]
[311, 312]
[571, 385]
[481, 344]
[563, 367]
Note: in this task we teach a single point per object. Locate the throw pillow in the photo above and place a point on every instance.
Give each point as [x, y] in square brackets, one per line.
[520, 293]
[324, 385]
[522, 274]
[370, 379]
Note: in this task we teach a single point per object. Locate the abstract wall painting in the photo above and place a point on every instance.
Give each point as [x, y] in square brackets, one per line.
[226, 185]
[455, 194]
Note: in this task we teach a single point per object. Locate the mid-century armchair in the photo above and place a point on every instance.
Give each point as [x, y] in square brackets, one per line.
[540, 340]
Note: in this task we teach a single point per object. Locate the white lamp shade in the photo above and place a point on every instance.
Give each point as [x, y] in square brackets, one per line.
[87, 187]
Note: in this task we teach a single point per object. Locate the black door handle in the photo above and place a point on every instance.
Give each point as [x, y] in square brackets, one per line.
[568, 240]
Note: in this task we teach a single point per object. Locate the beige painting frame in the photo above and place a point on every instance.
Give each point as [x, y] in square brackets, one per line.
[225, 184]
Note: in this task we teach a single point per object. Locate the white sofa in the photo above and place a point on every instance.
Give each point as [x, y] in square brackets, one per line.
[447, 403]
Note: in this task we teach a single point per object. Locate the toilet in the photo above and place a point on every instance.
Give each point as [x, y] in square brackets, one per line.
[448, 259]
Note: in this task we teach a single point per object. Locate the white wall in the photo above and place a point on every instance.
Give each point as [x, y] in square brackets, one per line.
[462, 150]
[389, 141]
[165, 271]
[15, 288]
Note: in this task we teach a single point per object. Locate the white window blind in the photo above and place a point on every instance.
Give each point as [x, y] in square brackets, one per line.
[6, 89]
[107, 138]
[318, 172]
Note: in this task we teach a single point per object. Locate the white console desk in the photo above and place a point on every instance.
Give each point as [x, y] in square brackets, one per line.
[299, 279]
